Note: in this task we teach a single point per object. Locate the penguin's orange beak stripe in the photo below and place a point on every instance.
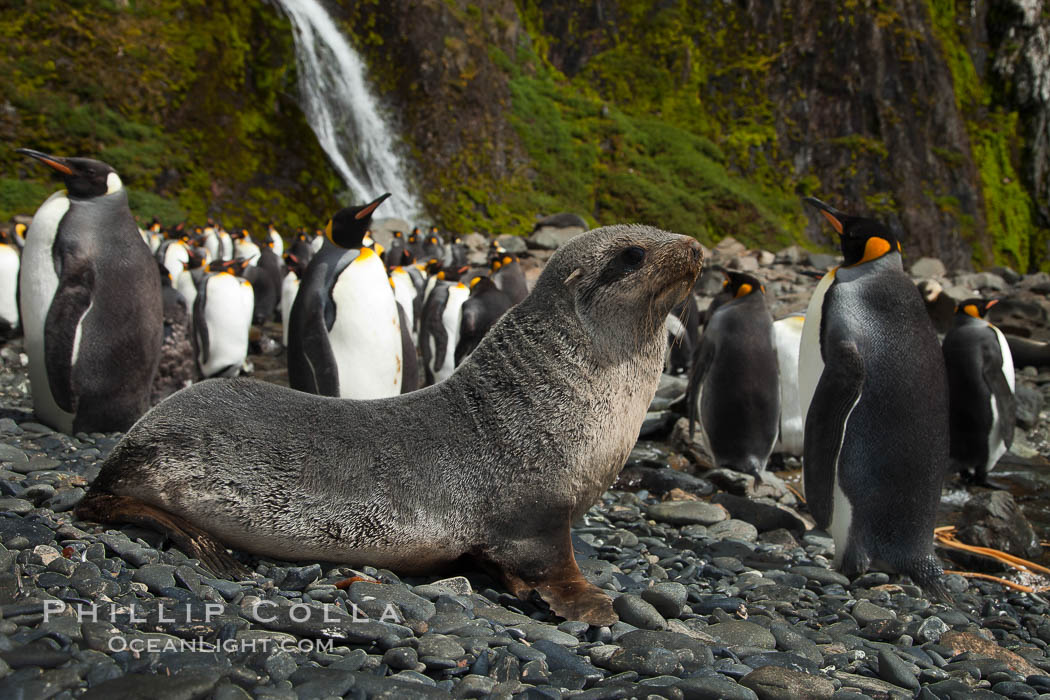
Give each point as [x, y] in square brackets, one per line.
[834, 222]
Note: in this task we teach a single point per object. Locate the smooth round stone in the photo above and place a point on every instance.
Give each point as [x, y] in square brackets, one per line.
[865, 612]
[931, 629]
[668, 598]
[440, 646]
[18, 506]
[10, 453]
[36, 464]
[299, 577]
[716, 687]
[824, 576]
[650, 662]
[742, 633]
[734, 530]
[1015, 690]
[401, 658]
[687, 513]
[637, 612]
[895, 670]
[777, 683]
[156, 576]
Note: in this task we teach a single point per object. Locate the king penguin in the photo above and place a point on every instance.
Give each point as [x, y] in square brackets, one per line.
[733, 381]
[486, 305]
[439, 329]
[90, 303]
[222, 319]
[10, 261]
[980, 391]
[344, 335]
[876, 438]
[509, 277]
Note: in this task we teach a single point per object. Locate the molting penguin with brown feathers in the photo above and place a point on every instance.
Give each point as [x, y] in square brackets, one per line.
[733, 384]
[472, 468]
[90, 303]
[876, 438]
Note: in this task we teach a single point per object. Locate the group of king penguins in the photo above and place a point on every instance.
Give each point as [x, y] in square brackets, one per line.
[859, 386]
[363, 315]
[115, 317]
[880, 411]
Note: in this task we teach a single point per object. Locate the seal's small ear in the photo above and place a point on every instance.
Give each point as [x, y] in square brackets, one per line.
[574, 278]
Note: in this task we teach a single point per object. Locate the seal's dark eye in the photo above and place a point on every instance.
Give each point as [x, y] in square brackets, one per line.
[633, 256]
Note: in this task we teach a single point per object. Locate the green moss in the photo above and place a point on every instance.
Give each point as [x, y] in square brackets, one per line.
[21, 196]
[1009, 214]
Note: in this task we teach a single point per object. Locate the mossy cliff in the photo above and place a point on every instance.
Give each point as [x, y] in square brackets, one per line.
[194, 102]
[706, 118]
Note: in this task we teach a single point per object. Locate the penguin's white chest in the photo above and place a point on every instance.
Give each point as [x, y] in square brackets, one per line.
[9, 264]
[366, 335]
[787, 339]
[39, 282]
[996, 446]
[289, 290]
[451, 318]
[176, 257]
[810, 363]
[228, 307]
[187, 287]
[246, 250]
[842, 511]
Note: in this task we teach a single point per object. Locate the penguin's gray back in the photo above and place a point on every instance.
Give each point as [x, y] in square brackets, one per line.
[740, 404]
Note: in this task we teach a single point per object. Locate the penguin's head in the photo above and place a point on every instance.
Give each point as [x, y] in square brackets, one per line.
[978, 308]
[5, 237]
[862, 240]
[349, 226]
[740, 284]
[20, 229]
[84, 177]
[399, 234]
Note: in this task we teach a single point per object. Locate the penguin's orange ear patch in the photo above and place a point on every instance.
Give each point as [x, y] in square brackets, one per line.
[971, 309]
[744, 290]
[875, 248]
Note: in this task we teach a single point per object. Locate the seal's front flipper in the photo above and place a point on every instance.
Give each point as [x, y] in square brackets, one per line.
[107, 508]
[578, 599]
[526, 566]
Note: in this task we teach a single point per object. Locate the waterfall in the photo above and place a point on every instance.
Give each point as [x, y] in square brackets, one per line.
[344, 114]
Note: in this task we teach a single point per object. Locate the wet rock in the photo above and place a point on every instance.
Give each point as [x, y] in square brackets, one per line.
[191, 683]
[895, 670]
[764, 515]
[776, 683]
[687, 513]
[715, 687]
[993, 519]
[667, 598]
[959, 642]
[637, 612]
[742, 633]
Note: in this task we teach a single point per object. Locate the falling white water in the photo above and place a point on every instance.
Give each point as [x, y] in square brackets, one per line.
[344, 114]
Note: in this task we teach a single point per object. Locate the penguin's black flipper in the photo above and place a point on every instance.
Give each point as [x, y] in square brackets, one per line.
[837, 393]
[200, 324]
[409, 361]
[321, 375]
[470, 330]
[70, 303]
[705, 352]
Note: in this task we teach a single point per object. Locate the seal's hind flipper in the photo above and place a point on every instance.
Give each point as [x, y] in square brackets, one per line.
[107, 508]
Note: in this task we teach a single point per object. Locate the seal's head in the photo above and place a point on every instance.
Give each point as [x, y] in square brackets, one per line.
[624, 280]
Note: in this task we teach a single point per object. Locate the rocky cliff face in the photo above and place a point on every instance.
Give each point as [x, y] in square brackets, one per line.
[707, 118]
[193, 102]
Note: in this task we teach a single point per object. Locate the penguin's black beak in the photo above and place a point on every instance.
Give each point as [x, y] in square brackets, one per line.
[55, 162]
[367, 210]
[831, 213]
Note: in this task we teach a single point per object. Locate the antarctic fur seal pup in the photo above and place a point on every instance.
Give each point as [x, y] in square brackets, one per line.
[493, 464]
